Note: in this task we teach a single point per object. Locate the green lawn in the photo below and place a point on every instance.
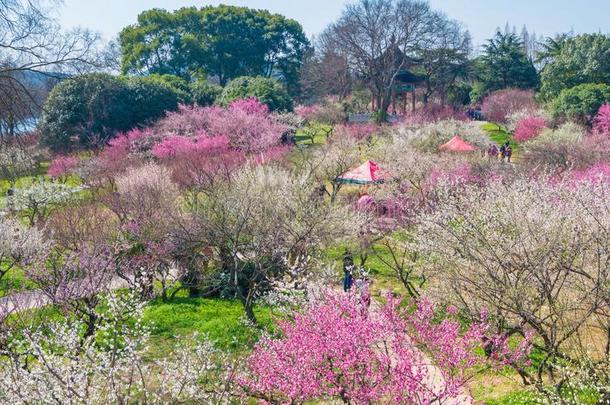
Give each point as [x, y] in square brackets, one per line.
[317, 133]
[499, 135]
[222, 321]
[15, 281]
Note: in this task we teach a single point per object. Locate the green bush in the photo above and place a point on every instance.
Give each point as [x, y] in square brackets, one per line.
[580, 103]
[266, 90]
[150, 98]
[205, 93]
[180, 85]
[94, 107]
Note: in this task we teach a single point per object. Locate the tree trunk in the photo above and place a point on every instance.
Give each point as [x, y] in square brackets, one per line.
[249, 308]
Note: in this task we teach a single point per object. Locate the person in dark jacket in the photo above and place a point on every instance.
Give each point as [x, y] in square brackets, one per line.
[348, 268]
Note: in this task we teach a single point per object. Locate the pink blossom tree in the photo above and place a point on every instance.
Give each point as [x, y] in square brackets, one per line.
[601, 122]
[498, 106]
[335, 349]
[62, 166]
[250, 105]
[529, 128]
[246, 123]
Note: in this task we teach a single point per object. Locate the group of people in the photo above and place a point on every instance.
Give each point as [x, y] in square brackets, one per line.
[361, 283]
[505, 152]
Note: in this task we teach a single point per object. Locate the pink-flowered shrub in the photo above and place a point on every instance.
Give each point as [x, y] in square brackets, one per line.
[529, 128]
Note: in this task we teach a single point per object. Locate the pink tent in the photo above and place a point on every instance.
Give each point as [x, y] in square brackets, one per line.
[457, 144]
[367, 173]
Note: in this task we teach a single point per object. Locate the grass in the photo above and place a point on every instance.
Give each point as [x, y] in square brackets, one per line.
[15, 281]
[313, 135]
[500, 135]
[222, 321]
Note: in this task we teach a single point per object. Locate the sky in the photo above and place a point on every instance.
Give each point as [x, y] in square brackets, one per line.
[481, 17]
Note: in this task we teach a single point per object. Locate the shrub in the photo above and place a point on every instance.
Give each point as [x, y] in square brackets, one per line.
[501, 104]
[88, 107]
[150, 98]
[246, 123]
[92, 108]
[601, 123]
[268, 91]
[580, 103]
[205, 93]
[560, 149]
[529, 128]
[180, 85]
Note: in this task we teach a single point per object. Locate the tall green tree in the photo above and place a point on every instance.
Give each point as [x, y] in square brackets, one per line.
[225, 42]
[579, 60]
[505, 64]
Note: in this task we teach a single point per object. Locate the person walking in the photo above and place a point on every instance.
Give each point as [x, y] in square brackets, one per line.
[348, 268]
[502, 152]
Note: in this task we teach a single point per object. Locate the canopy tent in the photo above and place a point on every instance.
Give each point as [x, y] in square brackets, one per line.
[367, 173]
[457, 144]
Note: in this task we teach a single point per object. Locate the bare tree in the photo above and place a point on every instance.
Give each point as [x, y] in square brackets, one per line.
[380, 38]
[445, 59]
[34, 51]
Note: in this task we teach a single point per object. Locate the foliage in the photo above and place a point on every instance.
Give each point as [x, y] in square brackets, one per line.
[224, 41]
[266, 90]
[499, 105]
[504, 64]
[260, 222]
[112, 366]
[529, 128]
[575, 61]
[18, 244]
[94, 107]
[601, 122]
[37, 201]
[150, 98]
[337, 349]
[580, 103]
[205, 93]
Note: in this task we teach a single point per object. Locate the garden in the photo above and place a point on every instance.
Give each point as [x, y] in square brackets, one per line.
[194, 230]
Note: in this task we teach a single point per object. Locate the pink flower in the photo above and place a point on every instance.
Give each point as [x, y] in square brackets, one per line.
[529, 128]
[62, 166]
[601, 122]
[337, 349]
